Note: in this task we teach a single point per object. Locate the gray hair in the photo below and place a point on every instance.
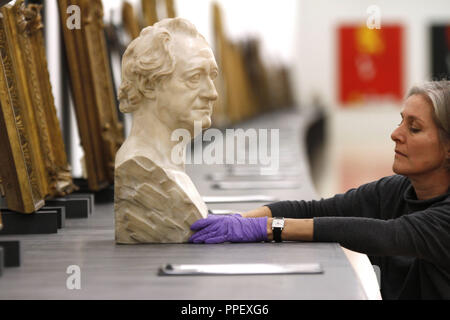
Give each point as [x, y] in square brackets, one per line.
[438, 94]
[149, 59]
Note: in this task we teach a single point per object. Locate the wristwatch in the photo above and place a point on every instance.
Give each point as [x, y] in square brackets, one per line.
[277, 227]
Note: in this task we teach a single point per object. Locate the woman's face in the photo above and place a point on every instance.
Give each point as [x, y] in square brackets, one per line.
[418, 150]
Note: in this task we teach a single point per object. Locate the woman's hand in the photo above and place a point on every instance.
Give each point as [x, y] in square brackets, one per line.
[233, 228]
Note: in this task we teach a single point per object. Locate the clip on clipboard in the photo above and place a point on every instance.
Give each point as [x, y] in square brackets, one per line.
[239, 269]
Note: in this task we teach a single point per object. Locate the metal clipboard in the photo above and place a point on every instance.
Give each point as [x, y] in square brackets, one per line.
[239, 269]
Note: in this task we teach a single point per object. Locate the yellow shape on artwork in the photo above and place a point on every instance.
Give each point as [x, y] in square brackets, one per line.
[369, 41]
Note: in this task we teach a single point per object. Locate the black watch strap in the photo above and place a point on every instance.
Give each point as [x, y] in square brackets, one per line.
[277, 234]
[277, 227]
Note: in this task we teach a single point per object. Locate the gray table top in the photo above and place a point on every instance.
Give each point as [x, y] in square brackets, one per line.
[110, 271]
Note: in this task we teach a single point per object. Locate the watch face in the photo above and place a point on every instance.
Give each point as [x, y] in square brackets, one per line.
[278, 223]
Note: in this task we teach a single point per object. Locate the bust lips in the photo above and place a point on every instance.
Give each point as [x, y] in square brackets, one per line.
[203, 109]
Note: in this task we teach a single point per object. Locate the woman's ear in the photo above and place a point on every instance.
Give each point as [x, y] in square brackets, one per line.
[447, 153]
[147, 89]
[447, 148]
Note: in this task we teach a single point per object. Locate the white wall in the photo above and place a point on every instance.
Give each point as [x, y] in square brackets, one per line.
[316, 48]
[273, 21]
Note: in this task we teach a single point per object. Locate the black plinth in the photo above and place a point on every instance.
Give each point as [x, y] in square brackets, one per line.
[104, 195]
[74, 207]
[11, 253]
[61, 211]
[89, 196]
[43, 221]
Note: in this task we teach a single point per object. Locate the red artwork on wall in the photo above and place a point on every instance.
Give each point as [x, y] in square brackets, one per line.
[370, 64]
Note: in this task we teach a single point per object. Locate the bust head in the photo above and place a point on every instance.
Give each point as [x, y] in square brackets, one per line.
[169, 71]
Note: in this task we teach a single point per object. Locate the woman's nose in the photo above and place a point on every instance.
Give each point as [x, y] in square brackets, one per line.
[397, 135]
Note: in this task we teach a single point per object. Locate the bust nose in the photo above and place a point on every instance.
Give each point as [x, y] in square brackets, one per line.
[208, 90]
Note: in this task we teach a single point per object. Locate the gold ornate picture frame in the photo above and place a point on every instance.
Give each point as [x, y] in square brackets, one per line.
[130, 21]
[101, 133]
[34, 164]
[21, 164]
[239, 102]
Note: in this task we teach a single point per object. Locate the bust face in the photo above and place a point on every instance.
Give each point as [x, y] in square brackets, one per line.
[189, 93]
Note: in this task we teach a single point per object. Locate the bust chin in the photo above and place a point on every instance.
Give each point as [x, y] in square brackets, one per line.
[155, 200]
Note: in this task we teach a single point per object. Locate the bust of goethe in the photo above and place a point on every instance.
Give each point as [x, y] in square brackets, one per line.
[167, 84]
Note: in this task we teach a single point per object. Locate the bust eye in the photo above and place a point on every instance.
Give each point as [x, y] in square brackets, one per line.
[195, 78]
[214, 74]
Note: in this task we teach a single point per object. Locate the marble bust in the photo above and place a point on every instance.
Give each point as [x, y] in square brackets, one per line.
[167, 84]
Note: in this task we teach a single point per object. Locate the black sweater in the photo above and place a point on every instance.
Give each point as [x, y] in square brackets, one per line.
[408, 239]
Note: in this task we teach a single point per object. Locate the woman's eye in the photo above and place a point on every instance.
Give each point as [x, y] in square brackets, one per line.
[414, 130]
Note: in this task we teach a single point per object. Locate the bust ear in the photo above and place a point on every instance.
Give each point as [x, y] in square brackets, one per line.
[147, 89]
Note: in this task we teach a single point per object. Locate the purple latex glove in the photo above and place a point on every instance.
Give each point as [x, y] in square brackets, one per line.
[233, 228]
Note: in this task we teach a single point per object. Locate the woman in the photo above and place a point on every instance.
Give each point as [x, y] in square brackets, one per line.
[401, 222]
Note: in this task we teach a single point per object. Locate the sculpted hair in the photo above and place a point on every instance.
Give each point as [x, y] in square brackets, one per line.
[148, 60]
[438, 94]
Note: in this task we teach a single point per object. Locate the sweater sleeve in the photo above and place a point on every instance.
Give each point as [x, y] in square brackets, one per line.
[423, 234]
[361, 202]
